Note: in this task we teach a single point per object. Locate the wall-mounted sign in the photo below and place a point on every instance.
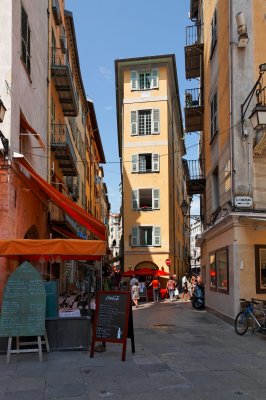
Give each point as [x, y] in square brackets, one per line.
[243, 201]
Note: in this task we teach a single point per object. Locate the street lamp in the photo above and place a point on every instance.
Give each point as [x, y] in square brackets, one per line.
[258, 115]
[3, 139]
[184, 207]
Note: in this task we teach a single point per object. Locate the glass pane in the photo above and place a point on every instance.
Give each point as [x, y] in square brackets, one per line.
[145, 236]
[262, 267]
[212, 272]
[222, 270]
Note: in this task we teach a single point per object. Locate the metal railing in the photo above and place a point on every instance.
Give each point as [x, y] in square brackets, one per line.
[194, 35]
[194, 97]
[196, 169]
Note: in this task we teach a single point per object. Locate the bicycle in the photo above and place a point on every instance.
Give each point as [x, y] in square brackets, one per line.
[253, 312]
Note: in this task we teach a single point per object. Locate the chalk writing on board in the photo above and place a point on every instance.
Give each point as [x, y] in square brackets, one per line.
[23, 308]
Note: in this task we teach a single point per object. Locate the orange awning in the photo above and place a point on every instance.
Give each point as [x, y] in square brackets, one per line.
[70, 208]
[67, 249]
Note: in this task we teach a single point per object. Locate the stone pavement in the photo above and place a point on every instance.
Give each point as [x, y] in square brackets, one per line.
[181, 353]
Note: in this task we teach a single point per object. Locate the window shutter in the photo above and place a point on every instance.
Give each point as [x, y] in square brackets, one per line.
[134, 163]
[155, 162]
[135, 199]
[154, 78]
[134, 236]
[156, 121]
[157, 236]
[156, 199]
[134, 80]
[134, 123]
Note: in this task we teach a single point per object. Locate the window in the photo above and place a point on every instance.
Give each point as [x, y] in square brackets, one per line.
[144, 163]
[215, 189]
[145, 80]
[214, 117]
[260, 265]
[144, 236]
[214, 31]
[146, 199]
[145, 122]
[219, 271]
[25, 39]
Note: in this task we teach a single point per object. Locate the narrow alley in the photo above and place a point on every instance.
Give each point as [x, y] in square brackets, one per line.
[180, 353]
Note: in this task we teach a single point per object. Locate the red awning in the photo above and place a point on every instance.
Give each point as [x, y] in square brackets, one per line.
[67, 249]
[70, 208]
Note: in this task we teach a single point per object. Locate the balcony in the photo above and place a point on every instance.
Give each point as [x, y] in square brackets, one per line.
[62, 146]
[194, 51]
[56, 12]
[194, 110]
[196, 180]
[64, 83]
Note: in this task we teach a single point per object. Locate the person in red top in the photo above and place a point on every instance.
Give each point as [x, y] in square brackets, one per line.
[155, 288]
[170, 286]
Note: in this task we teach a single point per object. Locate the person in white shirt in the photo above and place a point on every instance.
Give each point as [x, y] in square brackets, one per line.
[133, 280]
[184, 287]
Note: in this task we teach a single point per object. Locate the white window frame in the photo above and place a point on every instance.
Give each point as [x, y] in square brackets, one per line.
[136, 199]
[156, 236]
[135, 79]
[136, 160]
[155, 122]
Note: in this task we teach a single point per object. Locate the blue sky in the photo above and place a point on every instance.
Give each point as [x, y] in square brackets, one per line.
[107, 30]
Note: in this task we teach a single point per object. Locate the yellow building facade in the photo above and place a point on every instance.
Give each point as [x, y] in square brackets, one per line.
[227, 57]
[151, 149]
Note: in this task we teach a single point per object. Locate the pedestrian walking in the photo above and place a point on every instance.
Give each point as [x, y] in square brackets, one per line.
[155, 288]
[135, 293]
[133, 280]
[170, 286]
[184, 287]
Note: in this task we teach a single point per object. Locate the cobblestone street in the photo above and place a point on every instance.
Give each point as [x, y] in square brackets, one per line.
[180, 353]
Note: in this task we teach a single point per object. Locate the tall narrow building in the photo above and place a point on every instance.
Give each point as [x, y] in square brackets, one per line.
[151, 147]
[226, 53]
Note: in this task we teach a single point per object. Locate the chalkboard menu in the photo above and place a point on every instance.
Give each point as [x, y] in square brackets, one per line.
[23, 307]
[113, 320]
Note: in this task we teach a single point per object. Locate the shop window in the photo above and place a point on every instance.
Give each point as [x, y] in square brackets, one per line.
[260, 265]
[219, 271]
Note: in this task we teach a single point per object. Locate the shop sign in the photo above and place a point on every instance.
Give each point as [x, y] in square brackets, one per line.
[243, 201]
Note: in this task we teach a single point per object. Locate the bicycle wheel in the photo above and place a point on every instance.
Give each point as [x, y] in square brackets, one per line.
[241, 323]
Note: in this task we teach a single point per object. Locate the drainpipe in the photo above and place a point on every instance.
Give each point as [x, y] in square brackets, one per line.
[49, 25]
[231, 88]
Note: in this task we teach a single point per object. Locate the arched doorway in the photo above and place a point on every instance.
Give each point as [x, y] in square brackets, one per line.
[146, 264]
[32, 233]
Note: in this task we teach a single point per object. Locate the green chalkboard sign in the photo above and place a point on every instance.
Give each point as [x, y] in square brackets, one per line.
[23, 307]
[52, 309]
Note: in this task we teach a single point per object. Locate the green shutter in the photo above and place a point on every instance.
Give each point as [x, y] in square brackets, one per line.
[156, 121]
[134, 123]
[134, 167]
[155, 199]
[157, 236]
[135, 199]
[134, 236]
[134, 80]
[155, 162]
[154, 78]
